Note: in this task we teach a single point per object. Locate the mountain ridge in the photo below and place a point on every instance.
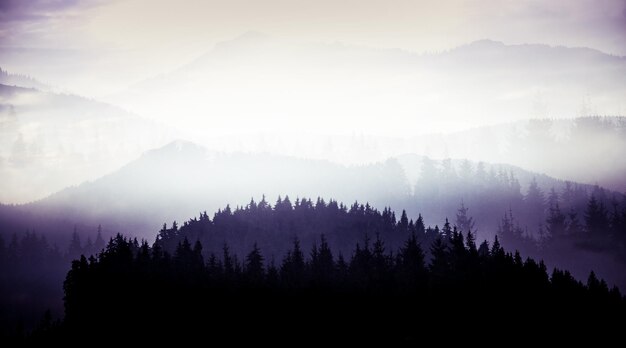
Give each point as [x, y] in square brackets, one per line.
[181, 178]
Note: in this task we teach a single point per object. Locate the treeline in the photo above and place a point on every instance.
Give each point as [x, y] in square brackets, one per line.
[32, 247]
[572, 220]
[455, 262]
[563, 223]
[31, 273]
[374, 293]
[259, 257]
[273, 227]
[537, 221]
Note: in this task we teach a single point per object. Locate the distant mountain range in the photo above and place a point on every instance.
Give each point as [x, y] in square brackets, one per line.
[257, 80]
[49, 141]
[181, 179]
[584, 149]
[530, 105]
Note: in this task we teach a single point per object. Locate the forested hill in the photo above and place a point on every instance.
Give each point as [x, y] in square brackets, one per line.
[274, 227]
[374, 293]
[594, 241]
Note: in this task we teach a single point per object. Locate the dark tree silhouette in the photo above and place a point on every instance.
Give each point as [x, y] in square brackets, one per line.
[463, 221]
[392, 287]
[135, 286]
[254, 270]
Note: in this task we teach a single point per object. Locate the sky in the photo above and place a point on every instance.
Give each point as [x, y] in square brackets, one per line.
[128, 41]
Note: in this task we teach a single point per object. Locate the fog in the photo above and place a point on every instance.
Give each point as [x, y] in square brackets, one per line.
[349, 104]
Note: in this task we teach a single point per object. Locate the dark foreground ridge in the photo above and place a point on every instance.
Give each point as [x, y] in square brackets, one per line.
[375, 293]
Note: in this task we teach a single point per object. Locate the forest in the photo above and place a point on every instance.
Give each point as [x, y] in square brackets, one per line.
[375, 278]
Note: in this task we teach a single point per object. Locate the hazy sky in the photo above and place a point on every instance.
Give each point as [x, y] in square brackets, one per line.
[134, 39]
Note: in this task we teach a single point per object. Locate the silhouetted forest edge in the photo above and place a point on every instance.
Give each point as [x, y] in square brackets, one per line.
[189, 278]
